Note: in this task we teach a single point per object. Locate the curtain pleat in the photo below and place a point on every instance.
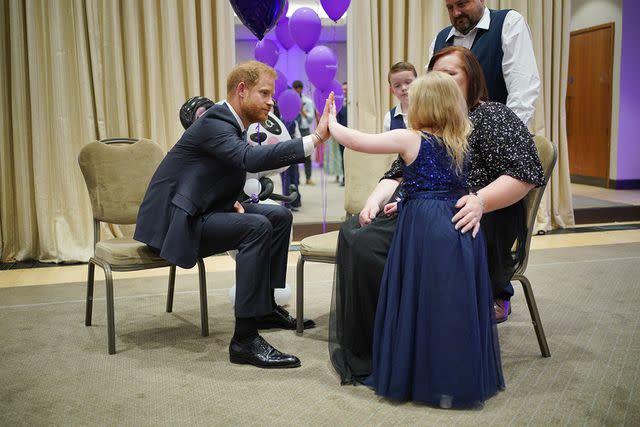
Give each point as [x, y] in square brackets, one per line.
[76, 71]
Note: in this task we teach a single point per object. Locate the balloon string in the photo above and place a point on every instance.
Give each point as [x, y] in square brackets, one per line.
[323, 193]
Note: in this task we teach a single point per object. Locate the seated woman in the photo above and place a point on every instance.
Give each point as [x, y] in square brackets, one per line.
[504, 167]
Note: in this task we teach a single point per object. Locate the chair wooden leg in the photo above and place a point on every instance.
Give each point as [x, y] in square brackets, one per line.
[172, 284]
[300, 295]
[111, 330]
[89, 305]
[204, 312]
[535, 316]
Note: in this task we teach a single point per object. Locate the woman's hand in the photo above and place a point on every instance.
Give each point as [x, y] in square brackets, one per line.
[468, 217]
[238, 208]
[368, 213]
[390, 208]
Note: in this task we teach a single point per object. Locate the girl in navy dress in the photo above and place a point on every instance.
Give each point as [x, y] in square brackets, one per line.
[434, 338]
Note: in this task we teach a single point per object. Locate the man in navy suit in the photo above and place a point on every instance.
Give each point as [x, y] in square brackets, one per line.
[190, 209]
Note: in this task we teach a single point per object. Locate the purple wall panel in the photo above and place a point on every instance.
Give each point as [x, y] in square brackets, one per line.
[629, 130]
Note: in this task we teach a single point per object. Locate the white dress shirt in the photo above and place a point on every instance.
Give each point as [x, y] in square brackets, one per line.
[386, 123]
[307, 142]
[519, 66]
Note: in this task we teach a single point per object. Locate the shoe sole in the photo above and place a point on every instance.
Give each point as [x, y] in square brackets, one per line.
[240, 360]
[279, 326]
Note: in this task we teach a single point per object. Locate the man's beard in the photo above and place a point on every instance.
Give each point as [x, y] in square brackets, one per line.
[468, 24]
[253, 114]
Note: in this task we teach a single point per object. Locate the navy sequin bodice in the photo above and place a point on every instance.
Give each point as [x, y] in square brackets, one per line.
[432, 171]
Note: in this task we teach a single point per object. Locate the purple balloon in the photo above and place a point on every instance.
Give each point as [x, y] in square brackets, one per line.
[290, 104]
[281, 84]
[258, 16]
[335, 8]
[321, 66]
[283, 34]
[267, 51]
[305, 28]
[320, 96]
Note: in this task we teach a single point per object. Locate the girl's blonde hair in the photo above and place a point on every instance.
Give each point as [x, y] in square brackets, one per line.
[437, 104]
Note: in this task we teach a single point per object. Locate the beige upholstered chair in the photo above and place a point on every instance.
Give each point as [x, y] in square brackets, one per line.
[117, 172]
[362, 172]
[548, 156]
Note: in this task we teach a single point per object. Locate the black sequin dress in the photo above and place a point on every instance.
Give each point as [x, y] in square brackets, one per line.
[500, 144]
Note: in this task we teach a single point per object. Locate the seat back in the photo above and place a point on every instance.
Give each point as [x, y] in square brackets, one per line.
[362, 173]
[548, 154]
[117, 173]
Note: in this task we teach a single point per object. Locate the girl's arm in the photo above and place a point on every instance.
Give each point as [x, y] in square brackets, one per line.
[401, 141]
[396, 141]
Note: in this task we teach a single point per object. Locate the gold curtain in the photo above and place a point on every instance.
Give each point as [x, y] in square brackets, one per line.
[382, 32]
[76, 71]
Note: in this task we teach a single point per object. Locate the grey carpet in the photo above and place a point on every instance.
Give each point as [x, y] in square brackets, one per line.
[55, 371]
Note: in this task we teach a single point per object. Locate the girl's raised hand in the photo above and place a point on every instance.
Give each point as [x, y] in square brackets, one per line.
[323, 124]
[332, 108]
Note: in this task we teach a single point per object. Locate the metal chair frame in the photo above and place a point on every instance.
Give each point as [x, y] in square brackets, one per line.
[109, 268]
[300, 286]
[532, 203]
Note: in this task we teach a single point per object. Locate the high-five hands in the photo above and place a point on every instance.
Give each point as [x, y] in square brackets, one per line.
[332, 109]
[322, 131]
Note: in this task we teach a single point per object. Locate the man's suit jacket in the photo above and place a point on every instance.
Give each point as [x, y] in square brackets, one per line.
[203, 173]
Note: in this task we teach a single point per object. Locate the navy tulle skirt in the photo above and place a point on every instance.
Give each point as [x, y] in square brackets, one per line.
[434, 339]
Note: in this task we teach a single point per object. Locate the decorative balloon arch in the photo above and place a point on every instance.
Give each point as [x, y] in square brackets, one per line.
[302, 29]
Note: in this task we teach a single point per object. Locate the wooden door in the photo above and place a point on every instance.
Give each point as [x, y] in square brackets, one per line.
[589, 104]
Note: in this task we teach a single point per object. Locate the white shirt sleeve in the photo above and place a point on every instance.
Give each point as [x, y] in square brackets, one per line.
[386, 122]
[307, 145]
[519, 66]
[431, 48]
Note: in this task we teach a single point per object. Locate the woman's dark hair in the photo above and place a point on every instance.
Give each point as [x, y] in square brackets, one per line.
[476, 84]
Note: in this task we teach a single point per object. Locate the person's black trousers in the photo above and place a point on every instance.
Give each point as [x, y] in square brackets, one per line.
[261, 236]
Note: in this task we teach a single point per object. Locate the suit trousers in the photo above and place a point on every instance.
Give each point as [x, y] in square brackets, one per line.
[261, 236]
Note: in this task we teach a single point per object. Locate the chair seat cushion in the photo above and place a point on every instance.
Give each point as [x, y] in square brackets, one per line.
[321, 245]
[122, 251]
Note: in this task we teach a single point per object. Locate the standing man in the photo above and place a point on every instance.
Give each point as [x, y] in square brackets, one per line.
[305, 120]
[190, 209]
[501, 41]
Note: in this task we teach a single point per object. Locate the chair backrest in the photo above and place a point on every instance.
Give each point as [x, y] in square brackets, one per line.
[362, 173]
[117, 174]
[548, 154]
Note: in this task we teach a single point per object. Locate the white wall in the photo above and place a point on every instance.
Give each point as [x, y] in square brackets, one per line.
[590, 13]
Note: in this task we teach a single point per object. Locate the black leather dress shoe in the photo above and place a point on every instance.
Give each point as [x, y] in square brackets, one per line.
[280, 318]
[258, 352]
